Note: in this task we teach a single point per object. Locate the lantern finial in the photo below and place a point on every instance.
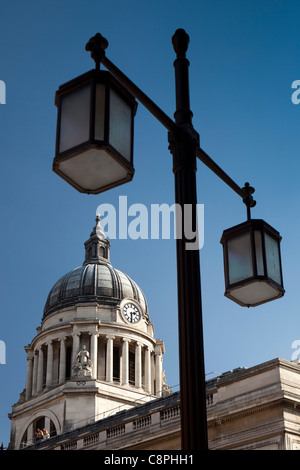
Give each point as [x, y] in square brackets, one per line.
[97, 45]
[248, 199]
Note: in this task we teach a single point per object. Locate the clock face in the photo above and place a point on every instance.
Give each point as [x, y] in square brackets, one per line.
[131, 312]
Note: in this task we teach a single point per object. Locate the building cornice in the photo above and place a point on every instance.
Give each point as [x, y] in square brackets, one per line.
[283, 403]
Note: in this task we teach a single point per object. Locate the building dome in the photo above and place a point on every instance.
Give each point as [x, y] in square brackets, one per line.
[95, 281]
[94, 354]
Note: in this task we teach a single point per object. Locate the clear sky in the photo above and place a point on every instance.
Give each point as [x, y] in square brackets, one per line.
[244, 57]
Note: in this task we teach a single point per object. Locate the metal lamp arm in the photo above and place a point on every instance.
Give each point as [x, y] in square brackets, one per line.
[97, 46]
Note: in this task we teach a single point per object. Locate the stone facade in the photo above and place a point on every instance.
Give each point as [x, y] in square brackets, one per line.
[126, 370]
[95, 351]
[155, 425]
[95, 377]
[247, 409]
[256, 408]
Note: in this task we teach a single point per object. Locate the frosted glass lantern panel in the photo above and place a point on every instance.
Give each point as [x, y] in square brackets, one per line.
[93, 169]
[99, 111]
[75, 119]
[239, 258]
[259, 253]
[273, 259]
[120, 125]
[254, 293]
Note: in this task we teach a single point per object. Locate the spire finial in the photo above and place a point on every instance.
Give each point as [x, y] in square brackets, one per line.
[98, 229]
[97, 247]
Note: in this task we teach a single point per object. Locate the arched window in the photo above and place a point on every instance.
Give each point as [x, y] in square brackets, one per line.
[37, 431]
[101, 252]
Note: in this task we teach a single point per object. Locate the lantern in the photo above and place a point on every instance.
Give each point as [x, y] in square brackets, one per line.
[94, 142]
[252, 263]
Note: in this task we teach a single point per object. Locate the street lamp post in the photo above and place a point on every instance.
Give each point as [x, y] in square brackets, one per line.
[183, 146]
[98, 164]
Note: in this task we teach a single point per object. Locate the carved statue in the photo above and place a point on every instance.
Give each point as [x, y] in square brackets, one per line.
[165, 387]
[83, 365]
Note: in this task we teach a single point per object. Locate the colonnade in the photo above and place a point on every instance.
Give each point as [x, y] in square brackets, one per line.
[50, 363]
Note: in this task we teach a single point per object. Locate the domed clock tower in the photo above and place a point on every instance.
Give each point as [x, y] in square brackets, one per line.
[94, 353]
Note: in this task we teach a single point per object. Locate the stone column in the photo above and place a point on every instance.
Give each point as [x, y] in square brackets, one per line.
[75, 350]
[47, 424]
[62, 361]
[125, 361]
[138, 365]
[34, 375]
[94, 353]
[29, 377]
[109, 358]
[40, 371]
[148, 370]
[49, 372]
[158, 371]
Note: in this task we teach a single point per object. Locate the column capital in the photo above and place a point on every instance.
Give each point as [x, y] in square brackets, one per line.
[94, 333]
[159, 347]
[76, 333]
[128, 340]
[30, 355]
[110, 337]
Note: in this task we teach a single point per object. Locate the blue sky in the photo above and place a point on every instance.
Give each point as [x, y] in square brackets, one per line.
[244, 57]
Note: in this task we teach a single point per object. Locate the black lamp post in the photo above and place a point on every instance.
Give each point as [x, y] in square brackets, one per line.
[96, 161]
